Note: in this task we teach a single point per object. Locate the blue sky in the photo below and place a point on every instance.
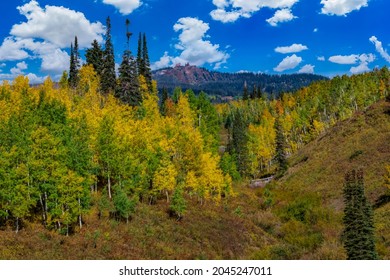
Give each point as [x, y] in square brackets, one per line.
[327, 37]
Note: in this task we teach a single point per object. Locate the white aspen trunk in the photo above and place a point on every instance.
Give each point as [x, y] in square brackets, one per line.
[109, 187]
[46, 203]
[17, 224]
[43, 209]
[80, 221]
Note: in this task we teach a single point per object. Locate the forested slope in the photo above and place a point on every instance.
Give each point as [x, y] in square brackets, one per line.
[85, 176]
[220, 84]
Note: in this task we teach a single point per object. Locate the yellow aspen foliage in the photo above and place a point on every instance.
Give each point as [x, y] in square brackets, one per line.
[89, 81]
[211, 181]
[168, 142]
[164, 180]
[5, 94]
[154, 89]
[143, 86]
[318, 127]
[189, 142]
[21, 83]
[5, 86]
[287, 123]
[48, 87]
[150, 105]
[191, 181]
[261, 145]
[184, 113]
[228, 189]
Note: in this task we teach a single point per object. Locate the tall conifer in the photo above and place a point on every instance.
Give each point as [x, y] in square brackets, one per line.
[108, 76]
[139, 56]
[146, 62]
[238, 142]
[358, 219]
[94, 56]
[74, 64]
[164, 98]
[128, 88]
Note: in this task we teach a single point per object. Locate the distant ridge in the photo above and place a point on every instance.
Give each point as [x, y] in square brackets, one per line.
[229, 84]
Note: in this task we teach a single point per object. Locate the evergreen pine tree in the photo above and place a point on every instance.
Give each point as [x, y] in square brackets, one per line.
[108, 76]
[140, 63]
[280, 156]
[76, 53]
[72, 68]
[260, 93]
[128, 88]
[94, 56]
[146, 62]
[254, 93]
[245, 95]
[164, 98]
[238, 141]
[74, 64]
[358, 219]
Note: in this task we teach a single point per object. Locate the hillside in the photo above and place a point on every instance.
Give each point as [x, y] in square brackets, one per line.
[312, 189]
[229, 84]
[298, 217]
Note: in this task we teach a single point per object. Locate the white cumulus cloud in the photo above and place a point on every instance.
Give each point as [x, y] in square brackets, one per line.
[125, 7]
[231, 10]
[54, 59]
[34, 79]
[307, 69]
[45, 34]
[283, 15]
[11, 49]
[379, 48]
[294, 48]
[362, 60]
[194, 47]
[290, 62]
[342, 7]
[57, 25]
[225, 16]
[344, 59]
[55, 62]
[165, 61]
[19, 69]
